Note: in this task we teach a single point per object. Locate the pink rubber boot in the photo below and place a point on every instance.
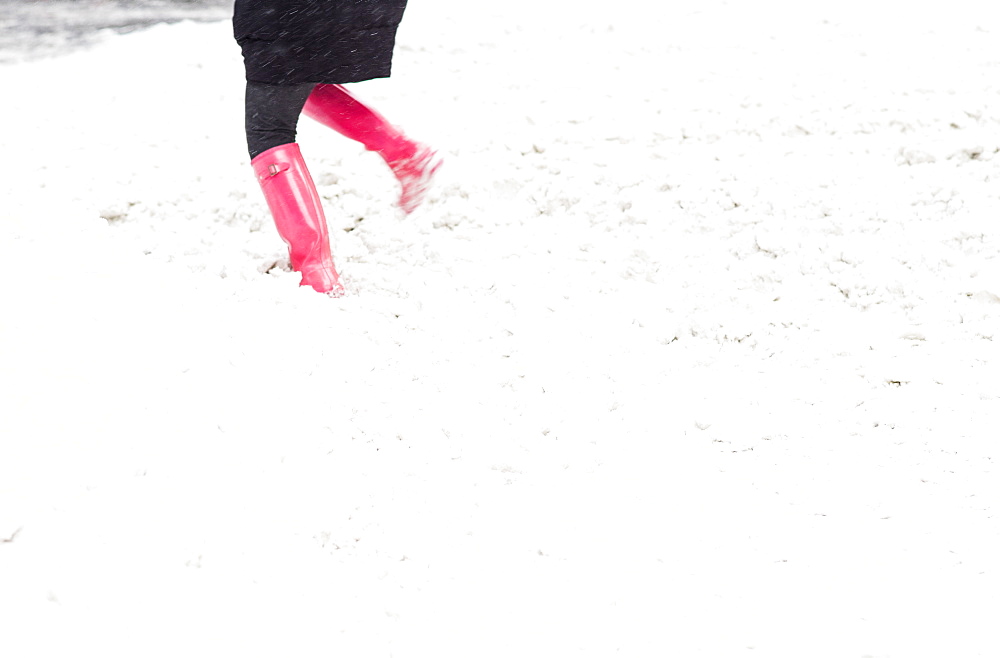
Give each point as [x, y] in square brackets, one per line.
[298, 215]
[413, 164]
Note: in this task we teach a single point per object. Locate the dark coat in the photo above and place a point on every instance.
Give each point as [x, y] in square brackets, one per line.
[331, 41]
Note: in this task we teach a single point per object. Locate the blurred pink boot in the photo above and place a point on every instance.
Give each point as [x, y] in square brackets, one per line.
[298, 215]
[414, 164]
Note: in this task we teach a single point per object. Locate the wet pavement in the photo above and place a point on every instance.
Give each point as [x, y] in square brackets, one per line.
[30, 29]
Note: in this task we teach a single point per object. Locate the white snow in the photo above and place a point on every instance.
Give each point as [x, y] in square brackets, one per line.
[692, 351]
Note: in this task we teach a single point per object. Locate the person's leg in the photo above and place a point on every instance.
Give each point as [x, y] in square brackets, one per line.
[272, 116]
[414, 164]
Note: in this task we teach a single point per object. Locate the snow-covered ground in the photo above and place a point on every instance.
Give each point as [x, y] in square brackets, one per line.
[30, 29]
[693, 350]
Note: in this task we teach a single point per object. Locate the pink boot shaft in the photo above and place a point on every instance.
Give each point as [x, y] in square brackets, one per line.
[413, 164]
[298, 215]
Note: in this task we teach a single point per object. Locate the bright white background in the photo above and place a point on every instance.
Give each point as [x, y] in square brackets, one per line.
[691, 352]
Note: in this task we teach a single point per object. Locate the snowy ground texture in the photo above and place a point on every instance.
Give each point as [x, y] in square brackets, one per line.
[693, 350]
[30, 29]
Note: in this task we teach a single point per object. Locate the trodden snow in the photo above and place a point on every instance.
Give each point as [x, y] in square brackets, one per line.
[692, 350]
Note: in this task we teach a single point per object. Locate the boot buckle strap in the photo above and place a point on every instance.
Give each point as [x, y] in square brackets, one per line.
[274, 169]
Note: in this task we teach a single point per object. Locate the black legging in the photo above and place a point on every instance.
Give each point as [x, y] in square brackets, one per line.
[272, 114]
